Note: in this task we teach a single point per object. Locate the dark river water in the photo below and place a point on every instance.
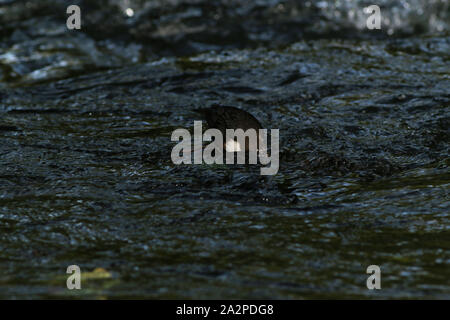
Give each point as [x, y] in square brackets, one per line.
[86, 176]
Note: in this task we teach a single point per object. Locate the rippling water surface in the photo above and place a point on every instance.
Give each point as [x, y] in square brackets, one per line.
[86, 176]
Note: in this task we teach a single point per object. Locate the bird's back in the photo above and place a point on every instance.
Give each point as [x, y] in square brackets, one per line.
[225, 117]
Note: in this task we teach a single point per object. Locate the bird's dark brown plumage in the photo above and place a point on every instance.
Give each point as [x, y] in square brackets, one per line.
[225, 117]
